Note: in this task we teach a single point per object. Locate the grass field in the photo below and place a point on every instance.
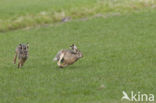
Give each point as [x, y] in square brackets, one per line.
[119, 54]
[16, 14]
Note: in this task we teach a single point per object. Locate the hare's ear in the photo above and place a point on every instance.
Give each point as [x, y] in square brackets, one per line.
[20, 46]
[75, 47]
[27, 45]
[72, 45]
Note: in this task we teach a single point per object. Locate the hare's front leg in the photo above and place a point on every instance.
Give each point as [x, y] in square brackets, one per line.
[15, 58]
[20, 63]
[63, 65]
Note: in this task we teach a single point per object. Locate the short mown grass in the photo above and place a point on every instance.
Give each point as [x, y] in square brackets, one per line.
[16, 14]
[119, 54]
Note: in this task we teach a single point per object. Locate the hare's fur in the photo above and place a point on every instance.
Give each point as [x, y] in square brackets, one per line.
[67, 57]
[22, 54]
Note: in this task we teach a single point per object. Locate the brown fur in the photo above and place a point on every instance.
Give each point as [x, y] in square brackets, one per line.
[22, 54]
[68, 57]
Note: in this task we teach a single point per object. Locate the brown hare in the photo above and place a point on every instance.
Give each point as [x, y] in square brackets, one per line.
[22, 54]
[68, 57]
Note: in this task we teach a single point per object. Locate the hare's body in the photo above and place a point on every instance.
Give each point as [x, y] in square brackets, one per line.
[67, 57]
[70, 58]
[57, 57]
[22, 54]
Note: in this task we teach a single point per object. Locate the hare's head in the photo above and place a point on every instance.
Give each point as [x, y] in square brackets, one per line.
[24, 50]
[73, 47]
[79, 54]
[25, 47]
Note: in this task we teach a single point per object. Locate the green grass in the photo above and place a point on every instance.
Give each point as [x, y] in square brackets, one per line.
[119, 53]
[21, 7]
[16, 14]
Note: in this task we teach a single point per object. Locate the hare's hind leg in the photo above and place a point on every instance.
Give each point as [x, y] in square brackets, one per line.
[60, 59]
